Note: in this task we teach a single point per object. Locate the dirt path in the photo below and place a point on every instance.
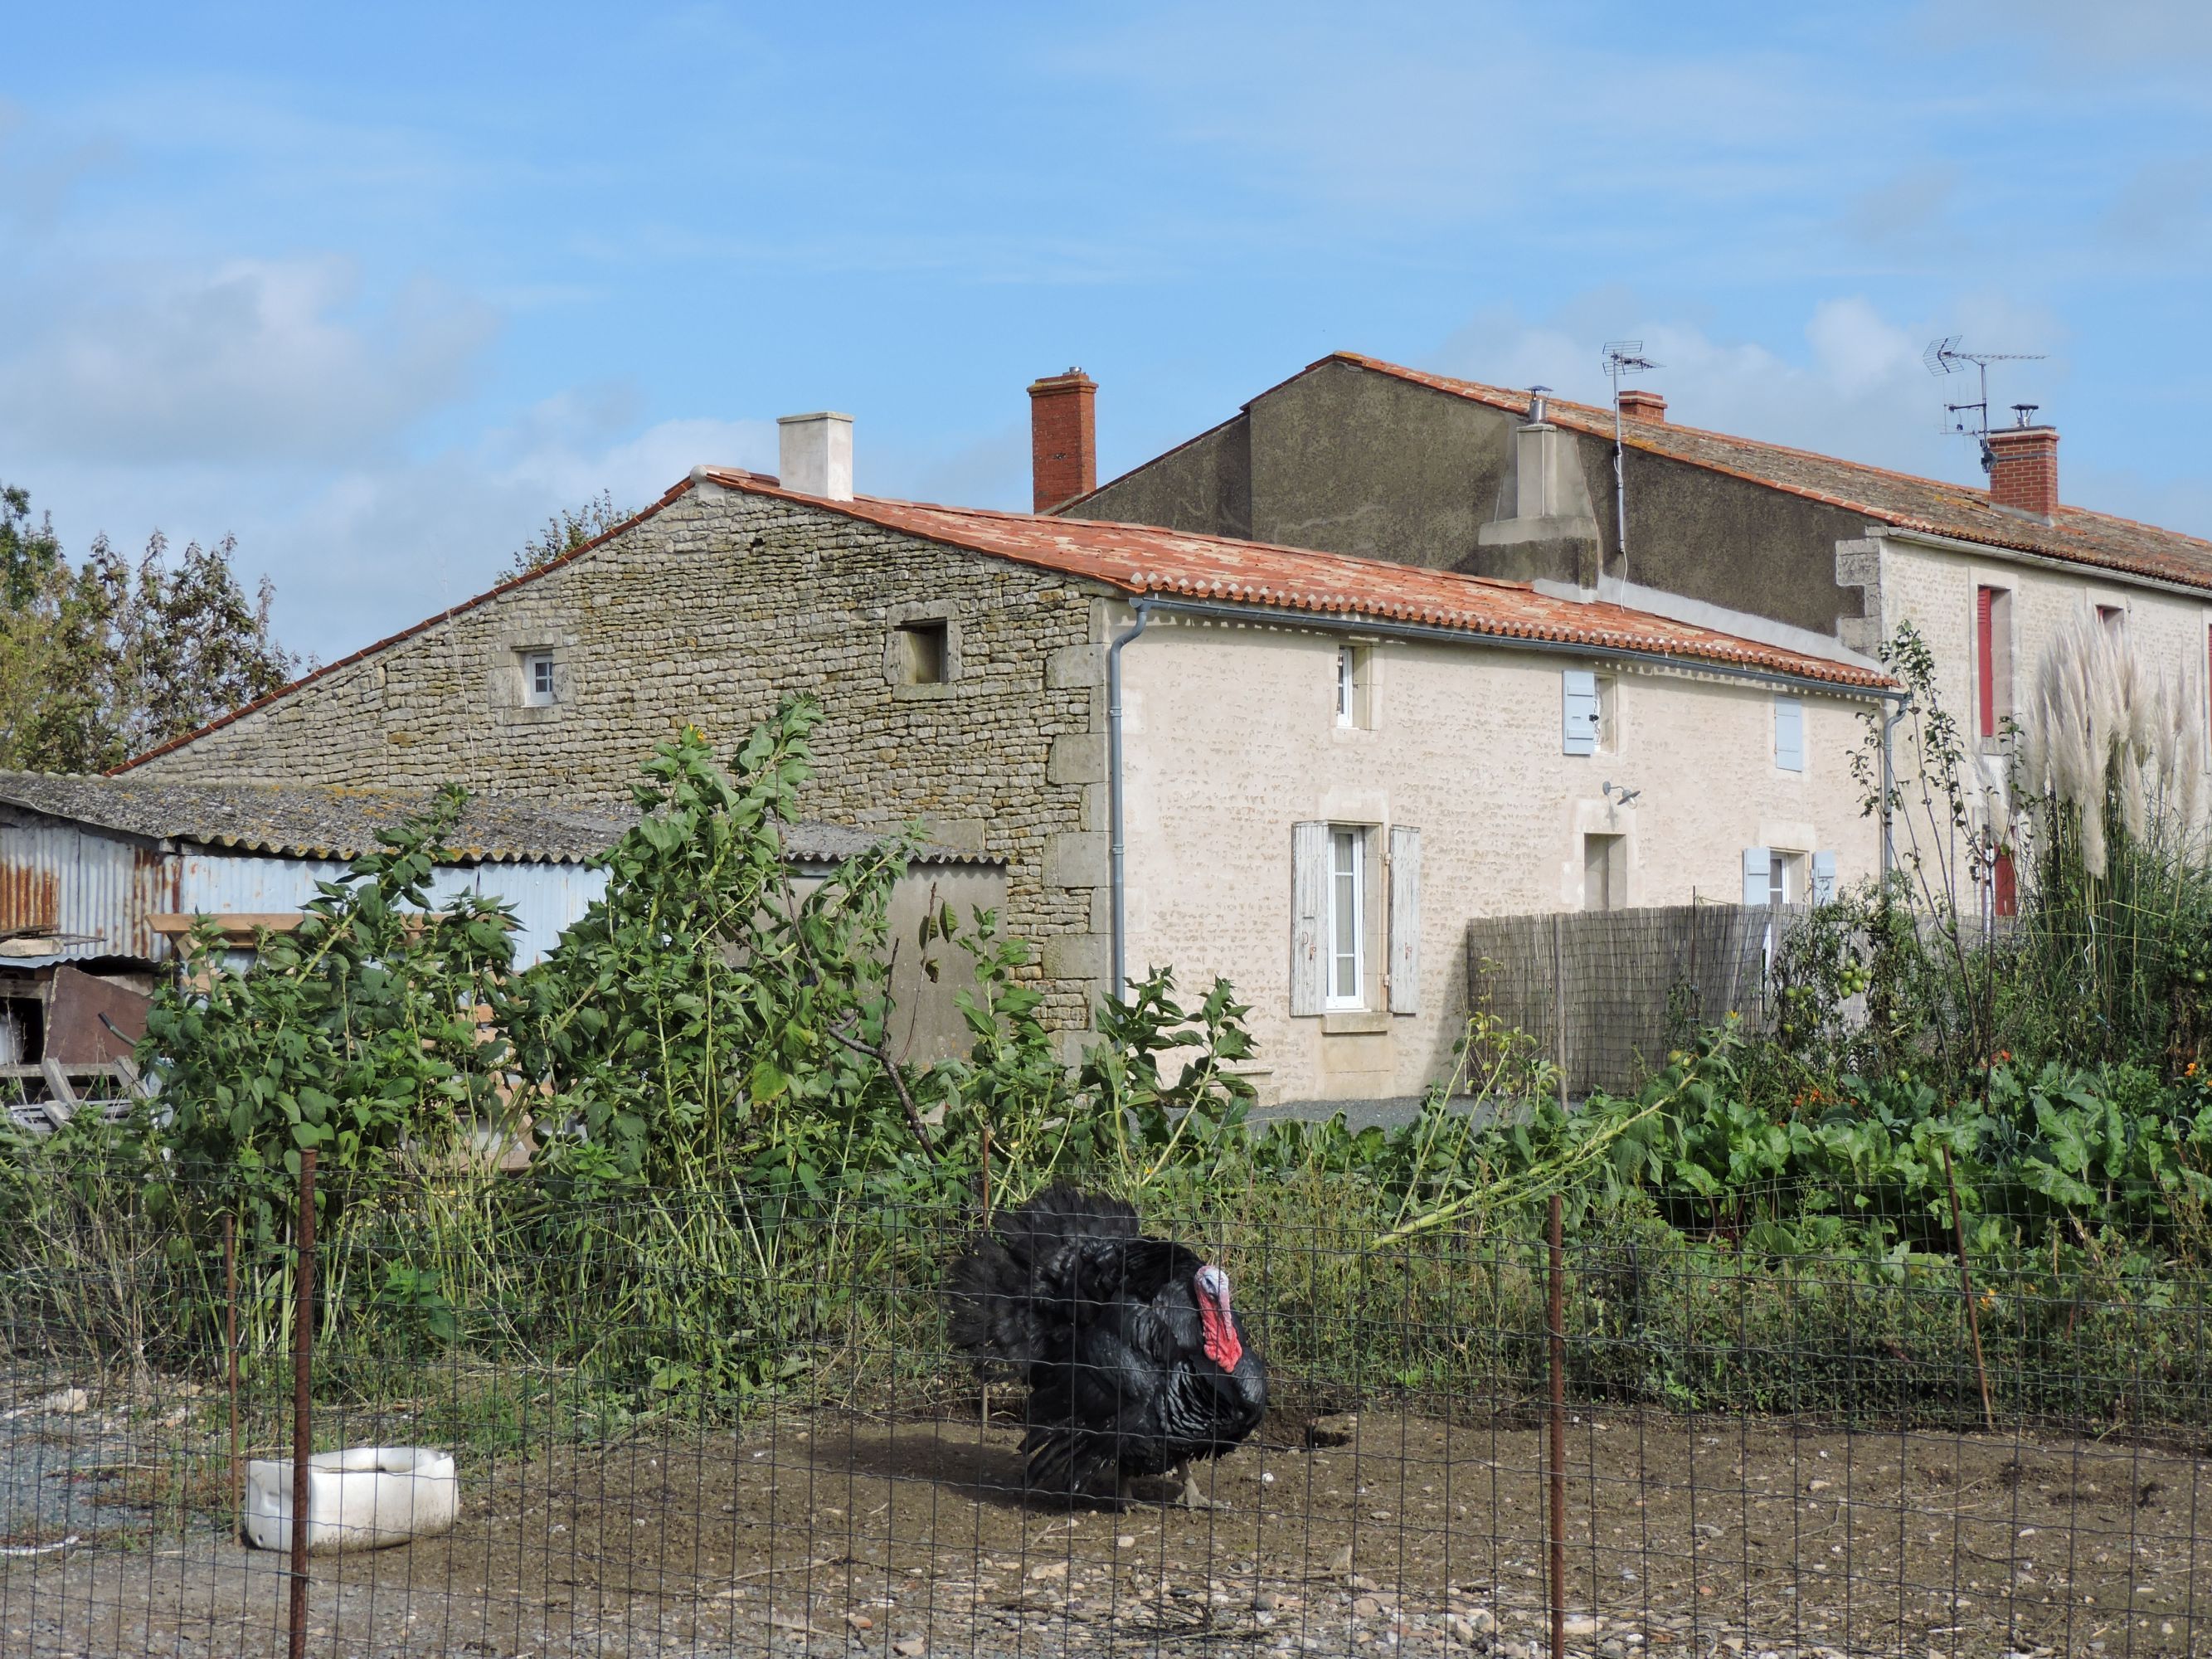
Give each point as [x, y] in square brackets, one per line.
[821, 1536]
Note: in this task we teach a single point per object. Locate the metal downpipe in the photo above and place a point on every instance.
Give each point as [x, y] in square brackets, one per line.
[1117, 841]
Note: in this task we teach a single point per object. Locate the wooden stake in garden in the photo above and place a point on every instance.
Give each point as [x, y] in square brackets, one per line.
[1966, 1283]
[230, 1365]
[1557, 1451]
[303, 1440]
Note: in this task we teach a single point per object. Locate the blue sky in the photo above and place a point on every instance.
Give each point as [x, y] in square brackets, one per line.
[377, 290]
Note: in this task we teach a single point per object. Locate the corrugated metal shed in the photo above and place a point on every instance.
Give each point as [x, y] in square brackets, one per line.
[88, 863]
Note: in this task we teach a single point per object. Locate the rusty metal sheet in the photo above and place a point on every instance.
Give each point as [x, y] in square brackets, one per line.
[74, 1033]
[30, 897]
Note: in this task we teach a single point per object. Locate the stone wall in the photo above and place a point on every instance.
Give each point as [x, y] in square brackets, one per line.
[707, 612]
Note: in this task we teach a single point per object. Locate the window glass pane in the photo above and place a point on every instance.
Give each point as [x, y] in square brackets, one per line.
[1344, 917]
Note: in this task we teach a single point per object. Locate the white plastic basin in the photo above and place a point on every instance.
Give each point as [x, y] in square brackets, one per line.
[365, 1498]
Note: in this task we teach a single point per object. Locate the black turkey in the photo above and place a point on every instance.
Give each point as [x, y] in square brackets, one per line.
[1136, 1364]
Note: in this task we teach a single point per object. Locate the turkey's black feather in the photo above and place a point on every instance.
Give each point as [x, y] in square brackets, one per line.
[1102, 1324]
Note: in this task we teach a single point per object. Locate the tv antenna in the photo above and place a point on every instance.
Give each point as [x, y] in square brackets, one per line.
[1622, 358]
[1971, 420]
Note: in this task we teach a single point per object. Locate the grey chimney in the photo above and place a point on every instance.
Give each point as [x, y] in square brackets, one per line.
[814, 454]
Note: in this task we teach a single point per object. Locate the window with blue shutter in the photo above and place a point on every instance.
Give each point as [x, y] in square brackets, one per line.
[1581, 712]
[1758, 871]
[1788, 734]
[1824, 877]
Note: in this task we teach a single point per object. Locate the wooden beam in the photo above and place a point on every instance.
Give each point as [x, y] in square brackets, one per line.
[62, 1105]
[241, 926]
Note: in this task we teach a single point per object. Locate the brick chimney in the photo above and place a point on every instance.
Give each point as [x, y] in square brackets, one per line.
[1643, 405]
[1063, 438]
[2024, 468]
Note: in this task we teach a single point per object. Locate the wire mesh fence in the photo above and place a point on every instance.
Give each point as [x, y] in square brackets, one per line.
[743, 1425]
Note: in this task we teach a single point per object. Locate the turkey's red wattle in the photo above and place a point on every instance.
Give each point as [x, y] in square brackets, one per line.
[1222, 1346]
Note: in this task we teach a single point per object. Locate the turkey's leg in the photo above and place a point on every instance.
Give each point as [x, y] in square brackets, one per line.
[1192, 1497]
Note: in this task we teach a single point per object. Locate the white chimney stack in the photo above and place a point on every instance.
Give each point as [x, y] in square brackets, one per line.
[814, 454]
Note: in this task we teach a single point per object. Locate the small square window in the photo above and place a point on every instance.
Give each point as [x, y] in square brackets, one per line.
[2114, 618]
[921, 653]
[538, 679]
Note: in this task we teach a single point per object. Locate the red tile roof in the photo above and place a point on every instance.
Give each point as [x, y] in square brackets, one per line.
[1897, 499]
[1141, 559]
[1144, 559]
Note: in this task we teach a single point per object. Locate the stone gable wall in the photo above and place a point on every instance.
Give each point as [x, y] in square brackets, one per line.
[709, 612]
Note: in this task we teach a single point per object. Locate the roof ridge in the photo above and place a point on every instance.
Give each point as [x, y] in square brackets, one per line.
[1136, 580]
[1599, 419]
[1332, 574]
[459, 608]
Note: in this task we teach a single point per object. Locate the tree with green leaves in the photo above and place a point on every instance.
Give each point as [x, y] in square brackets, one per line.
[567, 531]
[106, 658]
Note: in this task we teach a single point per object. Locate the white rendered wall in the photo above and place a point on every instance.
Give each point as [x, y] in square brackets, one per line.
[1230, 738]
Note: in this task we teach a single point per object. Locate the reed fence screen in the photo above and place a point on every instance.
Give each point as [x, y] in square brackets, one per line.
[1605, 994]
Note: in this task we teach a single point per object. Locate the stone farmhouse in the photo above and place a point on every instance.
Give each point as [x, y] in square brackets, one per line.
[1298, 769]
[1796, 550]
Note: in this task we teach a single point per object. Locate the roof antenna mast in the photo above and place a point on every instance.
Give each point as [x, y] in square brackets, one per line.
[1622, 359]
[1970, 420]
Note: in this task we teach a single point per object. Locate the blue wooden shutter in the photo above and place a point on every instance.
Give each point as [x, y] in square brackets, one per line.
[1824, 877]
[1580, 707]
[1789, 735]
[1758, 865]
[1405, 919]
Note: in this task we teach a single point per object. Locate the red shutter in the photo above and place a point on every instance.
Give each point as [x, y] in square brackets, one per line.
[1986, 658]
[2005, 898]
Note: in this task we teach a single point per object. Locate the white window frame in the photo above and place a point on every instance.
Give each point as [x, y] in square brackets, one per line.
[1347, 687]
[540, 690]
[1341, 880]
[1785, 876]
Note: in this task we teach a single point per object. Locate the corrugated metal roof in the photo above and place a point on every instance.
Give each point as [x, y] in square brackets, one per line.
[301, 821]
[87, 863]
[296, 821]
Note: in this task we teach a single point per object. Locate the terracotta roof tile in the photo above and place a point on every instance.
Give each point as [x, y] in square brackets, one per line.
[1899, 499]
[1144, 559]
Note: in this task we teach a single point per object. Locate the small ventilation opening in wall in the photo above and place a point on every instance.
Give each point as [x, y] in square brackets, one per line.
[922, 656]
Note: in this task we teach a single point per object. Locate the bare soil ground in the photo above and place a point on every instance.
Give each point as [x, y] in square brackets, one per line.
[838, 1535]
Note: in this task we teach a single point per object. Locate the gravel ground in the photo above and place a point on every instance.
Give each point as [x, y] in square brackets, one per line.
[1379, 1534]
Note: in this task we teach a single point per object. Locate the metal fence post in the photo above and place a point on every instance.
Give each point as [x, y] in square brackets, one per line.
[230, 1365]
[303, 1439]
[1557, 1450]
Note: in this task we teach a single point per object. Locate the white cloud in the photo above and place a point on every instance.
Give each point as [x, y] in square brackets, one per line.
[249, 360]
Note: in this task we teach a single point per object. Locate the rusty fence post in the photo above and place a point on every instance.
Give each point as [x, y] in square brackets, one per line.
[986, 1417]
[303, 1439]
[230, 1365]
[1557, 1450]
